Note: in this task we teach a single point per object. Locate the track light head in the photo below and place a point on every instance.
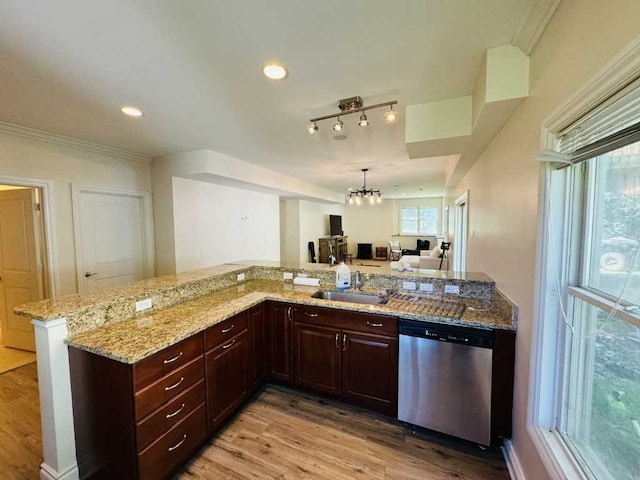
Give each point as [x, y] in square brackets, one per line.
[338, 125]
[391, 116]
[363, 120]
[312, 128]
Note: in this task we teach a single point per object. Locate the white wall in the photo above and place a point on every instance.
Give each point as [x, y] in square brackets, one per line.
[581, 38]
[214, 224]
[32, 159]
[379, 223]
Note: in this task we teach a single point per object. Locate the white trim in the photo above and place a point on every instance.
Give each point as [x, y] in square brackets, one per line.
[42, 136]
[460, 252]
[617, 74]
[513, 462]
[56, 412]
[533, 24]
[148, 243]
[49, 225]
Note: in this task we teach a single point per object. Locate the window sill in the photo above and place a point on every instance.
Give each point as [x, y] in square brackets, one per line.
[558, 461]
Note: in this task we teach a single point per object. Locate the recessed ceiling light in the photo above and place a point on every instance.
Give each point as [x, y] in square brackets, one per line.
[132, 111]
[275, 71]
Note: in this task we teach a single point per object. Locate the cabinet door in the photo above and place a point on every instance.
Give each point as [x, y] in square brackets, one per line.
[226, 372]
[280, 365]
[317, 359]
[370, 371]
[256, 329]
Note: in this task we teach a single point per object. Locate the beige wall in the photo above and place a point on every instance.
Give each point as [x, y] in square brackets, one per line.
[581, 38]
[215, 224]
[31, 159]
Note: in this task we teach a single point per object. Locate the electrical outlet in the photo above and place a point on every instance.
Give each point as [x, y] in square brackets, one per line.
[288, 276]
[408, 285]
[453, 289]
[426, 287]
[241, 277]
[143, 305]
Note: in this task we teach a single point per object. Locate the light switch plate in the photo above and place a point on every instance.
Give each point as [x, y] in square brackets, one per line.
[288, 275]
[453, 289]
[408, 285]
[241, 277]
[426, 287]
[143, 305]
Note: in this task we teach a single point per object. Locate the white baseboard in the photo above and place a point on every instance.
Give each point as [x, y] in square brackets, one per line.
[513, 464]
[48, 473]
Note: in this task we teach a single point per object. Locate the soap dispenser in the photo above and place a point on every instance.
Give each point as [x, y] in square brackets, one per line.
[343, 277]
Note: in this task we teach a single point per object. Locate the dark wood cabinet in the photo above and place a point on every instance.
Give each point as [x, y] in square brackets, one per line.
[317, 358]
[279, 341]
[370, 371]
[227, 379]
[337, 352]
[335, 245]
[256, 328]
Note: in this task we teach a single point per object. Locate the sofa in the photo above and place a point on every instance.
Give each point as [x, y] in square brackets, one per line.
[428, 244]
[425, 259]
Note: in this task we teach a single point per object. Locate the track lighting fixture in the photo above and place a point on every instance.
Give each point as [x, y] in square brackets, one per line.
[357, 194]
[354, 105]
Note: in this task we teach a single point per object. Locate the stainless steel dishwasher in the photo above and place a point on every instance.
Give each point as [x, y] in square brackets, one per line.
[444, 379]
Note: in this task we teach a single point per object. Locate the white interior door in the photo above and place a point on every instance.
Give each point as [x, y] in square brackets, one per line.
[19, 276]
[460, 234]
[111, 238]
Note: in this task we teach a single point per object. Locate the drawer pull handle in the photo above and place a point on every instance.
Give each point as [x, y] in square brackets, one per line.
[374, 324]
[171, 449]
[224, 347]
[337, 340]
[171, 387]
[171, 360]
[227, 330]
[311, 314]
[169, 415]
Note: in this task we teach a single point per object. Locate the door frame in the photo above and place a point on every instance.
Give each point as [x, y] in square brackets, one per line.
[46, 188]
[462, 245]
[147, 226]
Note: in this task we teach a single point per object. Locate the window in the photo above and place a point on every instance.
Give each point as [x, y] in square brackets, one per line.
[418, 221]
[598, 402]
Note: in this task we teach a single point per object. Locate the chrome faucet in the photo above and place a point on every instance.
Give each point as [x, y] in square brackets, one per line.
[359, 280]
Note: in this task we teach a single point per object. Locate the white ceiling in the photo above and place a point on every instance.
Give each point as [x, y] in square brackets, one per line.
[194, 68]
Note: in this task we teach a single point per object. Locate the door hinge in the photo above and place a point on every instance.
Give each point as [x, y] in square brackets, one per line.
[36, 207]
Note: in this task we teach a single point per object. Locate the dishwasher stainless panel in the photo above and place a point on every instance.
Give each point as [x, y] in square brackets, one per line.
[445, 385]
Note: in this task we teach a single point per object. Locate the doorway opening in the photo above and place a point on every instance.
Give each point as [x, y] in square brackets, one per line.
[460, 232]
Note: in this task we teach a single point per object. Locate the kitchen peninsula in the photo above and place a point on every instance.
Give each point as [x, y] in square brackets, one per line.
[173, 374]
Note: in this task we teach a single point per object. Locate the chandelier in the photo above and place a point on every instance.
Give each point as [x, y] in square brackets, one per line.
[351, 105]
[358, 194]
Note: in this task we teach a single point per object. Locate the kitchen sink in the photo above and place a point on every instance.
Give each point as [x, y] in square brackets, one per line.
[352, 297]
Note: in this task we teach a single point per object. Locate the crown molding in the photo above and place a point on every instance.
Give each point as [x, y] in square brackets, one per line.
[42, 136]
[533, 24]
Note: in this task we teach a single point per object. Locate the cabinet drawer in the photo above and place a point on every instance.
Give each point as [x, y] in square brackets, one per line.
[167, 416]
[225, 330]
[367, 323]
[316, 315]
[159, 364]
[162, 456]
[151, 397]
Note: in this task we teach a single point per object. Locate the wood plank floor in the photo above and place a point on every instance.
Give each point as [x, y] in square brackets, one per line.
[285, 434]
[20, 434]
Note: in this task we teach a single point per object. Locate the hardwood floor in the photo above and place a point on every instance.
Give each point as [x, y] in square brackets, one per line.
[285, 434]
[20, 434]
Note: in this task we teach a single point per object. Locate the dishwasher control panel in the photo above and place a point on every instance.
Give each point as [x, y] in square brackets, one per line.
[476, 337]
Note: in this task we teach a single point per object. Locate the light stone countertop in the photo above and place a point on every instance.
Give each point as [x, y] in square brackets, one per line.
[132, 340]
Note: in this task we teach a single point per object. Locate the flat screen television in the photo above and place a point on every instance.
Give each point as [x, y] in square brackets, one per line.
[335, 224]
